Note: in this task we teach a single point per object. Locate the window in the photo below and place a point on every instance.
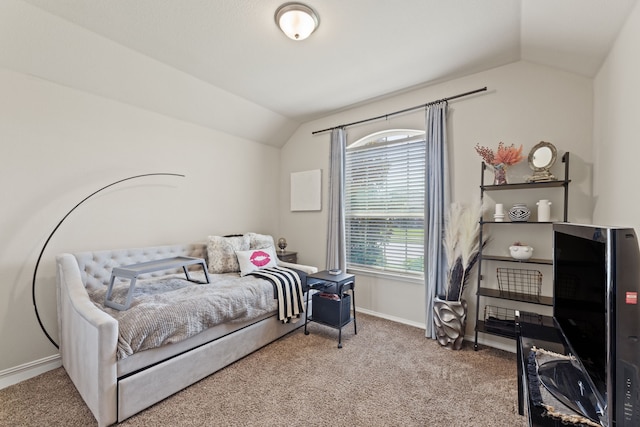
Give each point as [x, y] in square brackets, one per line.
[384, 202]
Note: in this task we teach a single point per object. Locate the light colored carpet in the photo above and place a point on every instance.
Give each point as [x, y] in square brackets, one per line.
[387, 375]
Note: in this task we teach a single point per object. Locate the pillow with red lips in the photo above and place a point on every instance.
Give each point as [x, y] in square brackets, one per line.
[256, 259]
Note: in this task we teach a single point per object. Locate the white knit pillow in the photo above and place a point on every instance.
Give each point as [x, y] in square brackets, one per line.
[256, 259]
[221, 253]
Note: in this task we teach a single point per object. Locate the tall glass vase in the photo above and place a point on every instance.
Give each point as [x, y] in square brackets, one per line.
[499, 174]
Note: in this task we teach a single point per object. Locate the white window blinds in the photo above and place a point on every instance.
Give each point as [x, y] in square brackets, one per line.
[384, 204]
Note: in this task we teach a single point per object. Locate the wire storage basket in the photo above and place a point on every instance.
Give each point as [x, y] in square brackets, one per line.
[502, 321]
[520, 282]
[533, 318]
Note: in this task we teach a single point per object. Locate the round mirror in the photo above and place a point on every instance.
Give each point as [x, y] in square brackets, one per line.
[541, 158]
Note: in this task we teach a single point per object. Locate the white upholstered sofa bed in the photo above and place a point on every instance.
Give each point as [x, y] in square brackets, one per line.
[116, 387]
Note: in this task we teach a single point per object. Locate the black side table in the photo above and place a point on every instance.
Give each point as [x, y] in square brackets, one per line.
[332, 312]
[287, 256]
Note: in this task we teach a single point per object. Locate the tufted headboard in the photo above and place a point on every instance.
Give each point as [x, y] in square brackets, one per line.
[95, 267]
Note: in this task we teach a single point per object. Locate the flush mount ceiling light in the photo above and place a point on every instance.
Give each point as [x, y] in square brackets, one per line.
[296, 20]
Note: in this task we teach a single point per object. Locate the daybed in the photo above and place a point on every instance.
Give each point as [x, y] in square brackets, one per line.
[115, 384]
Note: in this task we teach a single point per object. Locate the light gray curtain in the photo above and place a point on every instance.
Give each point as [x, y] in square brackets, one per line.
[336, 241]
[437, 199]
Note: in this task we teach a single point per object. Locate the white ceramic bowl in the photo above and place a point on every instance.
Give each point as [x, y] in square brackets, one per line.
[521, 252]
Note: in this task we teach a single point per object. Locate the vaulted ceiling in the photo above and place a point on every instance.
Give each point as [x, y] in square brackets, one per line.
[362, 50]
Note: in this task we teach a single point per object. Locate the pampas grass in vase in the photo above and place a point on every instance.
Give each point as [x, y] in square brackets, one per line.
[462, 246]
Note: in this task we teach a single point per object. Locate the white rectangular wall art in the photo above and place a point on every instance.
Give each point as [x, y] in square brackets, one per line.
[306, 190]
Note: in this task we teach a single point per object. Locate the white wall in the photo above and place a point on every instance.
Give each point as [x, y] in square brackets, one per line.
[525, 103]
[35, 42]
[617, 131]
[58, 145]
[78, 112]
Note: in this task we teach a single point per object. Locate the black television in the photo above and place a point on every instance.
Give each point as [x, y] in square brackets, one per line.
[596, 281]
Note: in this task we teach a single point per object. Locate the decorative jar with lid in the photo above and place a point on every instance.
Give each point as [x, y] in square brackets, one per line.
[519, 213]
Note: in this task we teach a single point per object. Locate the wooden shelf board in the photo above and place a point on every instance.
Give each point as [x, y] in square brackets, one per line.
[509, 259]
[515, 296]
[519, 222]
[521, 185]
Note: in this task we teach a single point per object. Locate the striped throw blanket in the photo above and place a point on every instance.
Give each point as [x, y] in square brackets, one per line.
[288, 290]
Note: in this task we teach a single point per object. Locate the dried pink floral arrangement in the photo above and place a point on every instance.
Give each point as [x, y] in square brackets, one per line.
[507, 156]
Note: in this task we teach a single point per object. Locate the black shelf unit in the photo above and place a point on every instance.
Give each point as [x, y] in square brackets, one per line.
[496, 294]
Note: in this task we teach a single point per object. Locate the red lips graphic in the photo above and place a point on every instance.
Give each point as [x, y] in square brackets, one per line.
[259, 258]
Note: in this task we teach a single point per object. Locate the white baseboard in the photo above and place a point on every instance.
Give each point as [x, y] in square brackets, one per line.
[488, 342]
[500, 345]
[23, 372]
[392, 318]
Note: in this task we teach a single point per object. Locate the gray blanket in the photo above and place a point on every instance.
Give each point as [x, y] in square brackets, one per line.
[169, 310]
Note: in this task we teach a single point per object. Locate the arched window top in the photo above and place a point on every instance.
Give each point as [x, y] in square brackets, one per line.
[387, 137]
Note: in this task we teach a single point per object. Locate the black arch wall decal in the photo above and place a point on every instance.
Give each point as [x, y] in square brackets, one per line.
[35, 270]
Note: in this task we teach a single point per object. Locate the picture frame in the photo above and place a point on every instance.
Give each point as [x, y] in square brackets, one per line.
[306, 191]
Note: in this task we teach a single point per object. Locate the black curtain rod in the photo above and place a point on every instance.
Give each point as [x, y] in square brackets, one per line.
[384, 116]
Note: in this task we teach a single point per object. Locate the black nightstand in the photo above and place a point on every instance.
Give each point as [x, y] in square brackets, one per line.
[334, 311]
[287, 256]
